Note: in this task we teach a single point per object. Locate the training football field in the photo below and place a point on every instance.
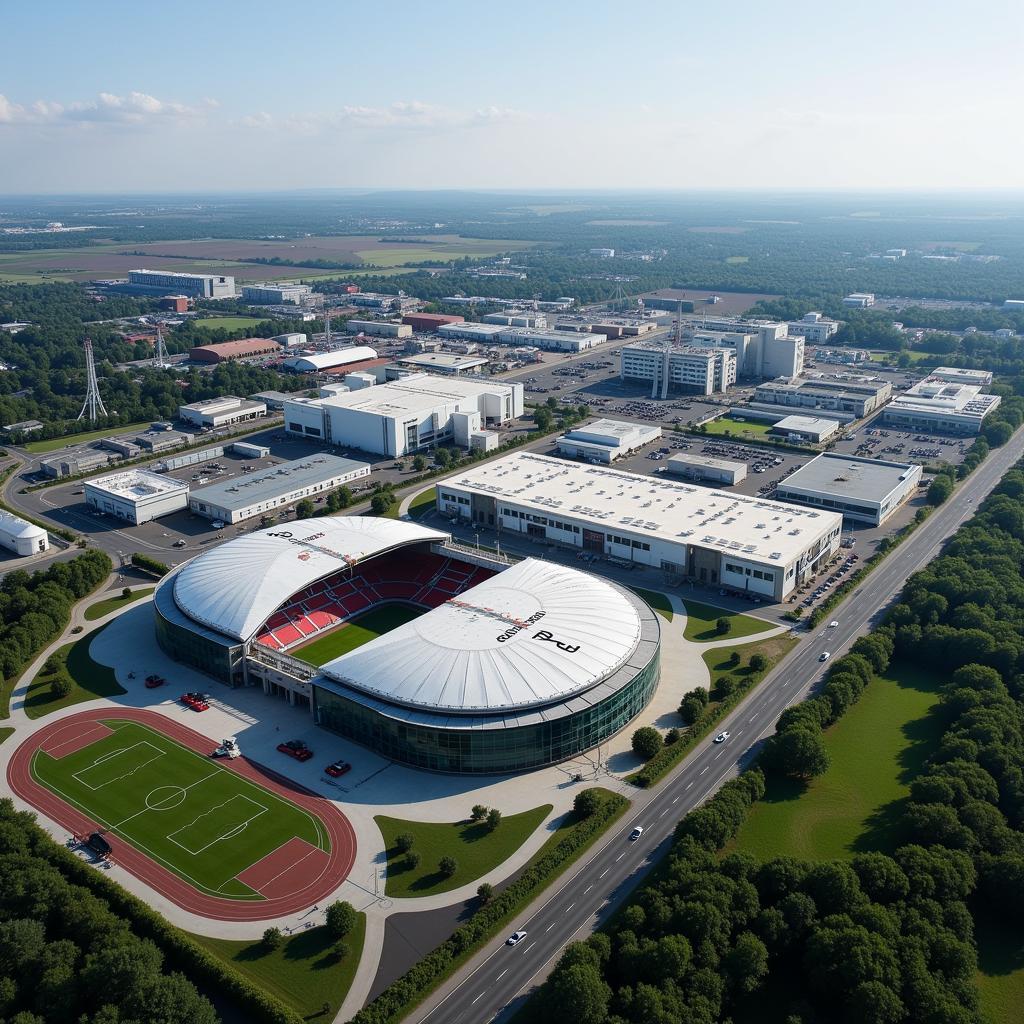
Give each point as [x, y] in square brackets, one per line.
[360, 630]
[188, 812]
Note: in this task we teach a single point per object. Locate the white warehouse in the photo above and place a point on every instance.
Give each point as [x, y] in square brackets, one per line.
[20, 536]
[136, 495]
[221, 412]
[606, 440]
[382, 328]
[405, 415]
[745, 543]
[330, 360]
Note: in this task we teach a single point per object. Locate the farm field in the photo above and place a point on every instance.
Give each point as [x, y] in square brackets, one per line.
[204, 822]
[359, 631]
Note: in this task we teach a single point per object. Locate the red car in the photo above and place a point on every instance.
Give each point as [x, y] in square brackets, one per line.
[196, 701]
[152, 682]
[338, 768]
[296, 749]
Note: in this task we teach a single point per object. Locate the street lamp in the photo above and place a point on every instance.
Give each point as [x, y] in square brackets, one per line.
[477, 536]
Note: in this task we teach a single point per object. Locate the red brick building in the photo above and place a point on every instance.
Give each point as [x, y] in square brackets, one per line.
[430, 321]
[226, 351]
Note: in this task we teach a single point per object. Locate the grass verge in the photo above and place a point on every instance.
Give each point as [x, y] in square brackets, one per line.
[474, 846]
[877, 748]
[423, 504]
[89, 679]
[702, 619]
[305, 973]
[113, 604]
[1000, 977]
[5, 732]
[736, 428]
[53, 444]
[657, 600]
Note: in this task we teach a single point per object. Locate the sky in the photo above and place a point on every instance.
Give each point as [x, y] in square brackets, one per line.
[108, 96]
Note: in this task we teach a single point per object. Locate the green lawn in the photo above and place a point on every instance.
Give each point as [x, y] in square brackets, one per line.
[657, 600]
[476, 848]
[876, 747]
[359, 631]
[89, 679]
[113, 604]
[734, 428]
[304, 972]
[51, 445]
[199, 819]
[718, 659]
[5, 732]
[1000, 977]
[229, 323]
[701, 619]
[423, 504]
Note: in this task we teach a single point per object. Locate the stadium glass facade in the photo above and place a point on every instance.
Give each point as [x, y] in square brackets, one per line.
[487, 746]
[188, 642]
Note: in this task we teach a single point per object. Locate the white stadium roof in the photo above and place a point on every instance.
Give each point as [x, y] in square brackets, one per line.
[532, 635]
[235, 587]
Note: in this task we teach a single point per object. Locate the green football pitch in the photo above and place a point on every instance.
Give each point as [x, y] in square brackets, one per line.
[197, 818]
[359, 631]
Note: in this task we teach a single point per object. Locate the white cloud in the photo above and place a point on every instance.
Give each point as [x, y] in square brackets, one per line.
[133, 108]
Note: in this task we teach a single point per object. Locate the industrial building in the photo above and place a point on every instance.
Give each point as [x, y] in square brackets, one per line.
[864, 490]
[447, 364]
[549, 341]
[282, 294]
[688, 368]
[810, 429]
[292, 340]
[375, 300]
[693, 533]
[317, 361]
[228, 351]
[404, 416]
[71, 465]
[606, 440]
[940, 406]
[518, 318]
[844, 398]
[812, 327]
[161, 282]
[20, 536]
[705, 469]
[381, 328]
[956, 375]
[221, 412]
[486, 333]
[859, 300]
[136, 495]
[430, 321]
[273, 488]
[273, 400]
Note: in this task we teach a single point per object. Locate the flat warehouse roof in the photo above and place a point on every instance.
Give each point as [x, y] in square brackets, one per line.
[276, 481]
[413, 394]
[667, 510]
[850, 476]
[705, 461]
[136, 484]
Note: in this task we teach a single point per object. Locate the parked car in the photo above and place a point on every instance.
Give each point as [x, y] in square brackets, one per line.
[296, 749]
[337, 768]
[152, 682]
[196, 701]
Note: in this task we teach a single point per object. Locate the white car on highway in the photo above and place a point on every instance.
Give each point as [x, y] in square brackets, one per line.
[514, 938]
[833, 624]
[722, 737]
[825, 655]
[636, 833]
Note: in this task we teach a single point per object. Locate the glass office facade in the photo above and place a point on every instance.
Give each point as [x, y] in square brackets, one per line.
[487, 748]
[188, 642]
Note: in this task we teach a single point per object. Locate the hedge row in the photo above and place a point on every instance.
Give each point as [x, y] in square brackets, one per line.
[405, 993]
[150, 565]
[181, 950]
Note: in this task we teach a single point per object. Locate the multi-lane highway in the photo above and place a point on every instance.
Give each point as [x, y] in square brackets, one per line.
[495, 981]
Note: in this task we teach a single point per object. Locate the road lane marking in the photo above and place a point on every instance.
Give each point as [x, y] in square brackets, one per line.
[588, 888]
[502, 975]
[478, 997]
[568, 908]
[620, 856]
[603, 873]
[675, 799]
[705, 768]
[689, 784]
[528, 948]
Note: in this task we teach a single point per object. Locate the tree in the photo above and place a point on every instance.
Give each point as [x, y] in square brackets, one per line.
[758, 662]
[577, 992]
[478, 813]
[940, 489]
[746, 963]
[691, 709]
[61, 686]
[404, 842]
[419, 463]
[587, 802]
[381, 502]
[485, 892]
[443, 457]
[800, 753]
[646, 742]
[341, 918]
[305, 509]
[412, 860]
[542, 418]
[672, 736]
[723, 625]
[126, 593]
[447, 865]
[344, 494]
[272, 938]
[493, 818]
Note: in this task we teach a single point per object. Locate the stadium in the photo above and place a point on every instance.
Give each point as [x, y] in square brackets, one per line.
[424, 651]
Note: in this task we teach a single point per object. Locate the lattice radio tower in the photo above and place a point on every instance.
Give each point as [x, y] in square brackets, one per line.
[93, 404]
[327, 329]
[160, 358]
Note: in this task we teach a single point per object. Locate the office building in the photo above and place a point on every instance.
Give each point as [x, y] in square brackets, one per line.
[813, 328]
[605, 440]
[228, 351]
[22, 537]
[672, 367]
[809, 429]
[221, 412]
[72, 465]
[764, 348]
[274, 488]
[136, 495]
[380, 328]
[956, 375]
[282, 294]
[403, 416]
[724, 472]
[730, 540]
[859, 300]
[161, 282]
[863, 490]
[844, 398]
[938, 406]
[447, 364]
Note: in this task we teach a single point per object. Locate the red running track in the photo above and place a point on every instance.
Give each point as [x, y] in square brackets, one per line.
[306, 890]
